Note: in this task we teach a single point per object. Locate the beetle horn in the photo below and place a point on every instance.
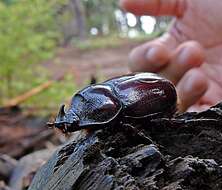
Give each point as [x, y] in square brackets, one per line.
[62, 112]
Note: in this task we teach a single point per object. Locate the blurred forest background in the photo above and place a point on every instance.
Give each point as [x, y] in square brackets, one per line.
[37, 37]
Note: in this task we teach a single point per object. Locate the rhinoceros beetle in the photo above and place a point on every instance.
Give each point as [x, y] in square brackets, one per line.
[134, 96]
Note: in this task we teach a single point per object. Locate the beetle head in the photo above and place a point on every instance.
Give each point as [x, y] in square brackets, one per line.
[66, 122]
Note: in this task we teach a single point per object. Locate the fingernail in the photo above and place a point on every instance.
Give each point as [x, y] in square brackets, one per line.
[190, 57]
[194, 86]
[188, 84]
[151, 53]
[156, 57]
[183, 55]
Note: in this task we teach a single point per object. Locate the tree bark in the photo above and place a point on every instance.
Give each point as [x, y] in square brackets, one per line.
[80, 17]
[186, 153]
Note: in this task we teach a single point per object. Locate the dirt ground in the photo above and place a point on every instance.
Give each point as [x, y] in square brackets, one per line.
[101, 63]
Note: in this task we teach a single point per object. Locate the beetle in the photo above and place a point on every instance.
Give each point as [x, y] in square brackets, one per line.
[133, 96]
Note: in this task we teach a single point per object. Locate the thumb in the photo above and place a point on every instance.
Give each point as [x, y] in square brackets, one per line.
[155, 7]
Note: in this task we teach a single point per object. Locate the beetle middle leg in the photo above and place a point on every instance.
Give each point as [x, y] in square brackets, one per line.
[130, 130]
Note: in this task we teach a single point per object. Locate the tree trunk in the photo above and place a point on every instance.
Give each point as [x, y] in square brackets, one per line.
[80, 17]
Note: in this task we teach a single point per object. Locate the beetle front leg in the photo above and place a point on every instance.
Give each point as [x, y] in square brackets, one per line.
[133, 131]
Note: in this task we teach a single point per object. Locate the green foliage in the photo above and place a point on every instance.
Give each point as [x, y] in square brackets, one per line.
[110, 41]
[28, 35]
[8, 2]
[59, 93]
[99, 43]
[100, 14]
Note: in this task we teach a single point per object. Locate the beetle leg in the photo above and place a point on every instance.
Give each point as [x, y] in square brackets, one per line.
[66, 127]
[133, 130]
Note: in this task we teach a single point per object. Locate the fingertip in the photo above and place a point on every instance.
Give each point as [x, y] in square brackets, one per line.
[140, 7]
[154, 7]
[127, 5]
[151, 57]
[191, 88]
[192, 54]
[122, 3]
[198, 108]
[187, 56]
[158, 53]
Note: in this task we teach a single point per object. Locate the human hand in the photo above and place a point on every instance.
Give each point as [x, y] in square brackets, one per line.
[189, 53]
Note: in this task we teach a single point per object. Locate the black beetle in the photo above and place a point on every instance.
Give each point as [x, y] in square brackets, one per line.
[133, 96]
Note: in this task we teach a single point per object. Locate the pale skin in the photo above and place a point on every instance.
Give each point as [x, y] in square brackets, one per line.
[189, 53]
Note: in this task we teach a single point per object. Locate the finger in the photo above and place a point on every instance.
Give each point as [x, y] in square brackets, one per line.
[154, 55]
[191, 88]
[198, 108]
[188, 55]
[155, 7]
[210, 98]
[213, 94]
[149, 57]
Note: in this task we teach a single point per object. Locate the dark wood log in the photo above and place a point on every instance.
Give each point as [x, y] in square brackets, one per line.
[23, 173]
[3, 186]
[7, 164]
[20, 140]
[186, 155]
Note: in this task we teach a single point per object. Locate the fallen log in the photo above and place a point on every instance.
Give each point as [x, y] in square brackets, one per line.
[186, 154]
[23, 97]
[26, 168]
[7, 164]
[3, 186]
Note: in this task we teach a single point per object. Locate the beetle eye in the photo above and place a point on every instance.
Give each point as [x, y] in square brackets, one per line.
[59, 126]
